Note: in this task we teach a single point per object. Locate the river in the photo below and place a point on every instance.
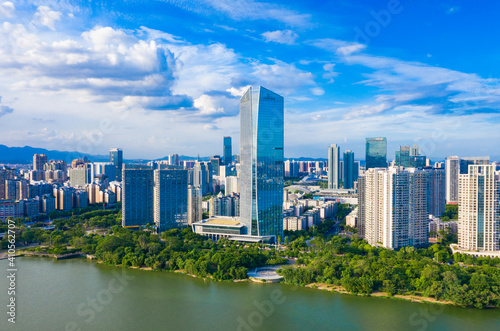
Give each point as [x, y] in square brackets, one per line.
[83, 295]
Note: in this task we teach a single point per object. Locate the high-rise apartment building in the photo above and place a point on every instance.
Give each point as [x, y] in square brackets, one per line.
[202, 176]
[436, 191]
[224, 205]
[478, 225]
[452, 166]
[116, 157]
[228, 151]
[39, 161]
[349, 169]
[195, 211]
[81, 175]
[393, 207]
[333, 166]
[261, 150]
[376, 152]
[3, 177]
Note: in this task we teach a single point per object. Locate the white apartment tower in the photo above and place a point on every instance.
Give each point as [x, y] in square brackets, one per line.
[333, 166]
[478, 225]
[393, 207]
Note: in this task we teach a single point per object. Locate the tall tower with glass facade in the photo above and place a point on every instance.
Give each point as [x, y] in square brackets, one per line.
[349, 169]
[116, 157]
[376, 152]
[228, 151]
[333, 166]
[261, 150]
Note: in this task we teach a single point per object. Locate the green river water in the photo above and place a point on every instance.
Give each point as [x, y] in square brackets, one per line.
[83, 295]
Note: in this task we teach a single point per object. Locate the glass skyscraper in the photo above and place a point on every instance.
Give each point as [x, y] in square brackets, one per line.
[376, 152]
[228, 151]
[261, 150]
[116, 157]
[349, 172]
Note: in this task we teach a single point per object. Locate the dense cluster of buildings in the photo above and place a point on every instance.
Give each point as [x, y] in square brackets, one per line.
[399, 203]
[56, 185]
[242, 197]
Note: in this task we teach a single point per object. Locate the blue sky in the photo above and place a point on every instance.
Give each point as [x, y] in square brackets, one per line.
[162, 77]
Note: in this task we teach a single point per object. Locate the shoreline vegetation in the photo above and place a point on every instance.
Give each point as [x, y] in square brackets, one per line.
[344, 264]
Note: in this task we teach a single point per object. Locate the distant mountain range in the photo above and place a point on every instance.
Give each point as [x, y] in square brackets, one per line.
[25, 155]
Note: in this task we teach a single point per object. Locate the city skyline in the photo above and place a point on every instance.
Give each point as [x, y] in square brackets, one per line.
[89, 77]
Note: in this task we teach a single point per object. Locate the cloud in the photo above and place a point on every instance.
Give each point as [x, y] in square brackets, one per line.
[281, 36]
[7, 9]
[46, 17]
[281, 76]
[453, 10]
[339, 47]
[240, 10]
[317, 91]
[446, 91]
[4, 110]
[367, 110]
[225, 27]
[329, 72]
[107, 64]
[238, 92]
[217, 105]
[153, 34]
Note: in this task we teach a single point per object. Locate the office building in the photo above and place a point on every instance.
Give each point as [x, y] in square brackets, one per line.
[333, 166]
[104, 169]
[137, 196]
[228, 151]
[216, 163]
[472, 160]
[393, 207]
[39, 161]
[116, 157]
[376, 152]
[261, 150]
[403, 157]
[349, 169]
[170, 198]
[173, 159]
[478, 225]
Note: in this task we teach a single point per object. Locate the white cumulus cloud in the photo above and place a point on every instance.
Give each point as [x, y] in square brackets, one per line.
[281, 36]
[47, 17]
[7, 9]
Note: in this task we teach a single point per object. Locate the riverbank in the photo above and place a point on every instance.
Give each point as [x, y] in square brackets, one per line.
[317, 286]
[412, 298]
